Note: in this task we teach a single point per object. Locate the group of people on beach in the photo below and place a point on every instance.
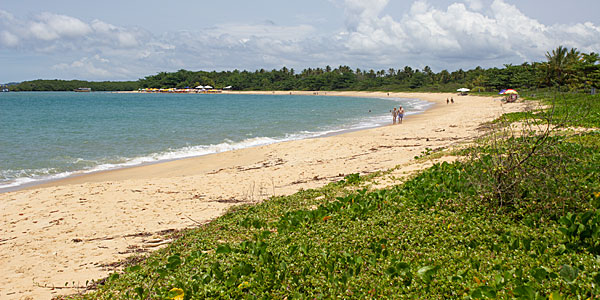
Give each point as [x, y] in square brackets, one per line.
[398, 114]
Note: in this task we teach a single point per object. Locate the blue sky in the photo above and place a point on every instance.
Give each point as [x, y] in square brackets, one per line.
[127, 40]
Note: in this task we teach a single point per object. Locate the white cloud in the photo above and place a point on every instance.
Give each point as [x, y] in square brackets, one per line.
[8, 39]
[263, 31]
[86, 67]
[475, 5]
[102, 27]
[100, 59]
[6, 17]
[359, 12]
[117, 36]
[459, 33]
[53, 26]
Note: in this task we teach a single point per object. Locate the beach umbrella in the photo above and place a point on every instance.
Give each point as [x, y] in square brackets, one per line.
[502, 92]
[463, 90]
[510, 91]
[208, 87]
[227, 87]
[200, 87]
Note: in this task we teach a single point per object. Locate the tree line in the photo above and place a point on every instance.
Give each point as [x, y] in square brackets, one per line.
[69, 85]
[567, 68]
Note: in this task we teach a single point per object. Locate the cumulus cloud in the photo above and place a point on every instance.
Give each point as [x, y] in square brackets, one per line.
[87, 66]
[117, 36]
[460, 33]
[476, 5]
[48, 32]
[51, 26]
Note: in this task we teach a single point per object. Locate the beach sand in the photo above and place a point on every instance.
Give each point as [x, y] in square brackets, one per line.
[72, 230]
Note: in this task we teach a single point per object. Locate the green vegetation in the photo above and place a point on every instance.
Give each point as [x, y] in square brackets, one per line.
[567, 68]
[518, 218]
[578, 71]
[69, 85]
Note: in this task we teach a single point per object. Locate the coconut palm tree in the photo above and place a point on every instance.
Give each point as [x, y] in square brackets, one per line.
[556, 66]
[591, 69]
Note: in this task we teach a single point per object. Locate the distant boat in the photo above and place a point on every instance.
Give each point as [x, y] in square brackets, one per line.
[4, 88]
[84, 90]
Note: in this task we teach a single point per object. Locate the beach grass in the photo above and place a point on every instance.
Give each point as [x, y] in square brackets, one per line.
[445, 233]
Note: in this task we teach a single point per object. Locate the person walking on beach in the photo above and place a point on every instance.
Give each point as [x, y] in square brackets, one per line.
[447, 101]
[452, 100]
[400, 114]
[394, 115]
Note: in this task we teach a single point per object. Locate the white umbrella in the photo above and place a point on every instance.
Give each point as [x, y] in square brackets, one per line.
[208, 87]
[227, 87]
[200, 87]
[462, 90]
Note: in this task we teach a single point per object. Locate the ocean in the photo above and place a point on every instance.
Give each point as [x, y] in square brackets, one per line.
[51, 135]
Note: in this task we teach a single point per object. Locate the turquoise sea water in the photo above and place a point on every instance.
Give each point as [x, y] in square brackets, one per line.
[47, 136]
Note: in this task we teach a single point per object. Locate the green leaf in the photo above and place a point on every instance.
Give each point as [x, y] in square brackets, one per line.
[539, 274]
[402, 266]
[223, 249]
[292, 250]
[135, 268]
[488, 291]
[514, 245]
[565, 221]
[391, 271]
[245, 268]
[477, 294]
[526, 243]
[140, 292]
[568, 273]
[555, 296]
[524, 292]
[426, 273]
[173, 261]
[499, 280]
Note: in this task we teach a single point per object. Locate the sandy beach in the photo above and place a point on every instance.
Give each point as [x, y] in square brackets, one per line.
[72, 230]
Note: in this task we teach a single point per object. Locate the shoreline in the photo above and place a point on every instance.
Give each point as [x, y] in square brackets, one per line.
[58, 178]
[72, 229]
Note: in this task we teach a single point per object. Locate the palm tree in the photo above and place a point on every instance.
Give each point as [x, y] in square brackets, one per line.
[558, 63]
[591, 69]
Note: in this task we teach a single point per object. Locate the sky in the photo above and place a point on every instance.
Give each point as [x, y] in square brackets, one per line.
[128, 40]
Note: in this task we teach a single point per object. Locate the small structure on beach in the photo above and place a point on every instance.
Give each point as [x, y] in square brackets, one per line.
[82, 89]
[463, 91]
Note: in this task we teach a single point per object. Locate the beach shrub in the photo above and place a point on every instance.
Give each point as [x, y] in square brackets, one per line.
[527, 175]
[539, 168]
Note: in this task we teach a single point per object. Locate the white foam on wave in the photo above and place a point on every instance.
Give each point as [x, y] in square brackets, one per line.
[30, 177]
[40, 176]
[416, 106]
